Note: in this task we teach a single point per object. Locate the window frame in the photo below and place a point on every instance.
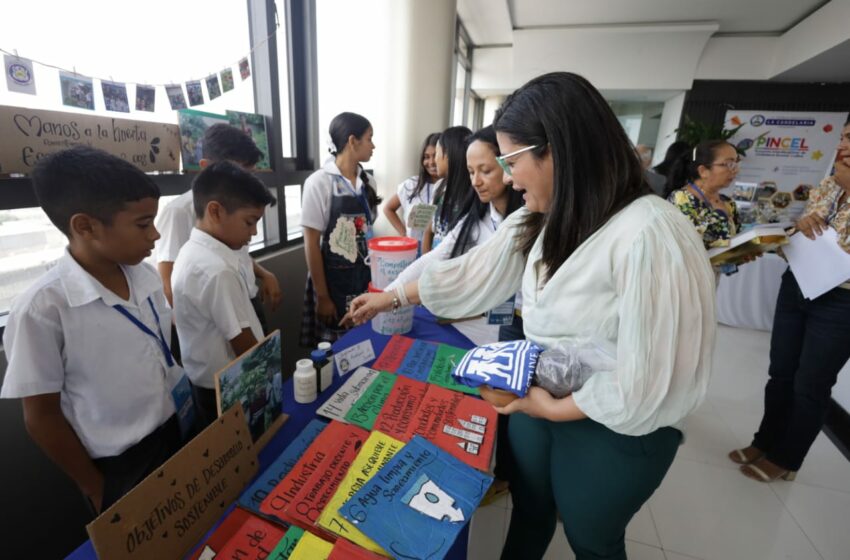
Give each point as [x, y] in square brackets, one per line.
[300, 49]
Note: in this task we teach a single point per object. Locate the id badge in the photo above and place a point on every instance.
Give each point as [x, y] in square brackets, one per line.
[184, 404]
[502, 314]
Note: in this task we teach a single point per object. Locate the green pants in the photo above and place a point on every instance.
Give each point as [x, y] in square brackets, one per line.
[597, 480]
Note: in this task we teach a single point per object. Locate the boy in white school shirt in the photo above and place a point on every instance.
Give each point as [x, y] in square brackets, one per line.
[212, 305]
[86, 342]
[175, 221]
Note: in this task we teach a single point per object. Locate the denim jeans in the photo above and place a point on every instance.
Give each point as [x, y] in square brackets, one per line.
[809, 346]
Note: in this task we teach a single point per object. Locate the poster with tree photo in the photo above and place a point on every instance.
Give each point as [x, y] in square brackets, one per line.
[193, 124]
[255, 382]
[254, 126]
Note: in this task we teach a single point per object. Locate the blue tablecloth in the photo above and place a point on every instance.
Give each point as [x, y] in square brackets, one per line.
[425, 327]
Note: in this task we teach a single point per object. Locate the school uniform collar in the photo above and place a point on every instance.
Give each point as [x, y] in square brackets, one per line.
[82, 288]
[331, 168]
[228, 255]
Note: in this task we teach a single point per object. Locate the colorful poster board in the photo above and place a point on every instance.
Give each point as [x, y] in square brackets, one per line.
[338, 404]
[399, 409]
[253, 539]
[254, 126]
[366, 408]
[445, 361]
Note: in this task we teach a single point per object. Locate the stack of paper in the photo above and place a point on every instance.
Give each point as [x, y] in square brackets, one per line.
[749, 244]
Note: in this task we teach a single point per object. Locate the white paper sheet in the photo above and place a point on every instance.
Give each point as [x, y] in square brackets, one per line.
[819, 265]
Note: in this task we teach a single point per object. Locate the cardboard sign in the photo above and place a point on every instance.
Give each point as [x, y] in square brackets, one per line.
[271, 477]
[400, 408]
[170, 510]
[375, 453]
[417, 504]
[393, 354]
[462, 425]
[338, 405]
[30, 134]
[417, 363]
[254, 382]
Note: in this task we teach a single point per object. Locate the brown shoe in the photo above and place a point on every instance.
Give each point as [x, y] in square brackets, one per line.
[765, 471]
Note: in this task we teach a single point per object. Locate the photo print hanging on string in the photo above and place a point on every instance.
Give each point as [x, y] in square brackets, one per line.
[146, 98]
[175, 97]
[115, 96]
[195, 93]
[213, 89]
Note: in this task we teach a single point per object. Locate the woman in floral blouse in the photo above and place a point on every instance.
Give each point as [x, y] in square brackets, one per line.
[809, 345]
[712, 168]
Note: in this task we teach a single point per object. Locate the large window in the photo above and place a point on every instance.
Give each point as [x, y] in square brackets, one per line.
[176, 42]
[466, 110]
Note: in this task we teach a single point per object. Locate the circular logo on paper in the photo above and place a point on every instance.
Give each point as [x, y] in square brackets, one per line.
[20, 74]
[757, 120]
[344, 365]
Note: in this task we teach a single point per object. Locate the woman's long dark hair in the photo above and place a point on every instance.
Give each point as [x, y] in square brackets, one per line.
[424, 177]
[342, 126]
[455, 192]
[596, 168]
[686, 168]
[674, 151]
[478, 210]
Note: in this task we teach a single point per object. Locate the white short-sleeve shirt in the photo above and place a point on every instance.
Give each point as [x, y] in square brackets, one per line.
[211, 306]
[64, 336]
[425, 196]
[175, 223]
[323, 185]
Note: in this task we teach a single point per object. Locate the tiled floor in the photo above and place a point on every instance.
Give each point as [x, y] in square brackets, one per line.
[705, 509]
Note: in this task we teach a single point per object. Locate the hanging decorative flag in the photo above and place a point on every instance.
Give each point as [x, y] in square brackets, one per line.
[77, 91]
[244, 69]
[195, 93]
[19, 74]
[213, 89]
[227, 80]
[146, 98]
[176, 97]
[115, 97]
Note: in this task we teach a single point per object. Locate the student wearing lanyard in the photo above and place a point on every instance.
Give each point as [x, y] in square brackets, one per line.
[809, 344]
[594, 252]
[416, 191]
[87, 343]
[454, 194]
[711, 167]
[338, 210]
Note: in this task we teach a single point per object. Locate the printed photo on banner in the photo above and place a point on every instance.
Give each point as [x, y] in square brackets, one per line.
[227, 80]
[254, 126]
[175, 97]
[192, 125]
[20, 77]
[146, 98]
[255, 382]
[115, 97]
[244, 69]
[195, 93]
[213, 89]
[77, 91]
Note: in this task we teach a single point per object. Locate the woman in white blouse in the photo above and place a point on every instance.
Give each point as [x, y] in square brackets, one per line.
[595, 255]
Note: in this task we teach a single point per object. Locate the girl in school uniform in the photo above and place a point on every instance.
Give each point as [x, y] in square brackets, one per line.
[415, 191]
[339, 207]
[454, 195]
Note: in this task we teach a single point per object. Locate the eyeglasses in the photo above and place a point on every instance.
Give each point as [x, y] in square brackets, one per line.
[504, 164]
[731, 165]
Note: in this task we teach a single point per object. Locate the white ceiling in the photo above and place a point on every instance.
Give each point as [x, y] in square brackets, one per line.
[489, 21]
[831, 65]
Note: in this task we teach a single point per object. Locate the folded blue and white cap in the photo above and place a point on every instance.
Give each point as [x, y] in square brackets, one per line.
[501, 365]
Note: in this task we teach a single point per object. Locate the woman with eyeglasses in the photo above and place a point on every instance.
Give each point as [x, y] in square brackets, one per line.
[809, 344]
[596, 255]
[702, 175]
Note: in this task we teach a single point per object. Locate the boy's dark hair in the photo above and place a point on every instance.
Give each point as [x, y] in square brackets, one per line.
[83, 180]
[229, 185]
[222, 142]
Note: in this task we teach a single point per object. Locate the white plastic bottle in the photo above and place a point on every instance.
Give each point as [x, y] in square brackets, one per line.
[304, 382]
[327, 373]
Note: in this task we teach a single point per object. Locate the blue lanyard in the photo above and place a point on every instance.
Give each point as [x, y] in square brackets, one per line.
[360, 197]
[169, 359]
[705, 199]
[427, 193]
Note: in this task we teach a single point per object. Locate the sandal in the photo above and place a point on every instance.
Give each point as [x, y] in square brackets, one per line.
[745, 456]
[756, 472]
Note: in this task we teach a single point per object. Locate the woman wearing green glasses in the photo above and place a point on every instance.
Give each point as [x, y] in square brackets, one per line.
[700, 178]
[596, 255]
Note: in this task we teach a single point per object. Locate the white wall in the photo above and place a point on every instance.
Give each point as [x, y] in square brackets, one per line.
[493, 71]
[670, 117]
[737, 58]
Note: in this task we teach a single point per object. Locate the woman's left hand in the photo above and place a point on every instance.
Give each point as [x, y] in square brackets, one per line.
[537, 403]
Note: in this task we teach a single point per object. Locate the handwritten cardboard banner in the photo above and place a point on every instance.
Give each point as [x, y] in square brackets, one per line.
[170, 510]
[26, 135]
